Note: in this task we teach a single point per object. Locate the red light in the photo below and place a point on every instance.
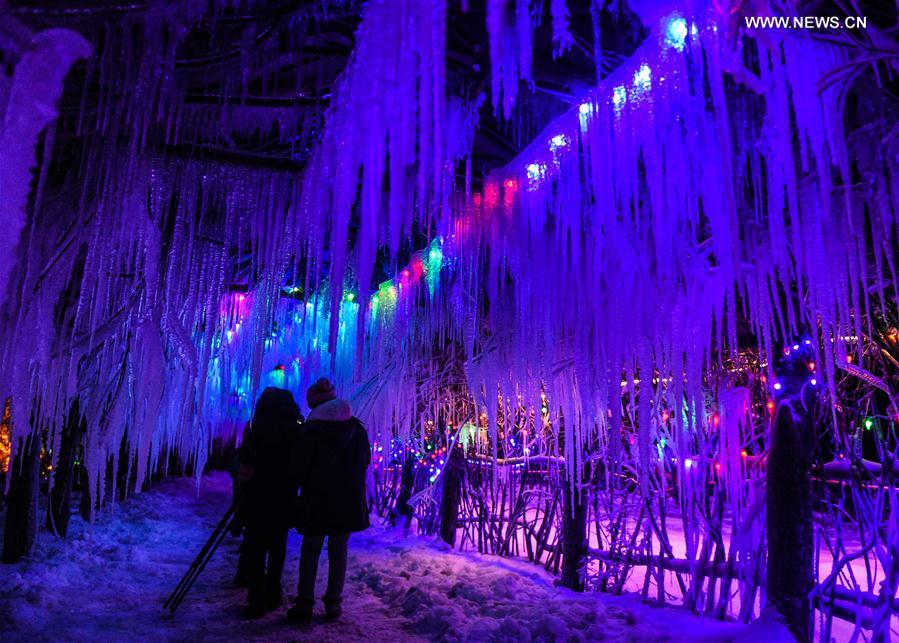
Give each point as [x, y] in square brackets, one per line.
[771, 406]
[491, 195]
[743, 453]
[417, 266]
[716, 419]
[665, 416]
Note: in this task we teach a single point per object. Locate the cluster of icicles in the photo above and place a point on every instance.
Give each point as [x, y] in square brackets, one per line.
[620, 244]
[152, 290]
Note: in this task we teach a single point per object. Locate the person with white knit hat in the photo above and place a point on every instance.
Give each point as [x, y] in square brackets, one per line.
[330, 461]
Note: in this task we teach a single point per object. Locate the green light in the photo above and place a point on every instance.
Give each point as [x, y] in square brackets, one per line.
[869, 424]
[350, 296]
[277, 377]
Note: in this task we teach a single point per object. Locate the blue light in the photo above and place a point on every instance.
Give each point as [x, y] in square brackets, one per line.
[535, 172]
[676, 33]
[643, 77]
[558, 141]
[585, 111]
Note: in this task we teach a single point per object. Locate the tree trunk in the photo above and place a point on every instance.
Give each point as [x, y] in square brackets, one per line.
[88, 493]
[63, 478]
[574, 536]
[789, 522]
[451, 495]
[20, 532]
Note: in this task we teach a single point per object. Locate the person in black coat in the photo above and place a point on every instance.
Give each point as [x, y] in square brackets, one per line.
[269, 495]
[330, 460]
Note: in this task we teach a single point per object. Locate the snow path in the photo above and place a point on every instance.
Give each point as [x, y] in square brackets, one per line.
[108, 582]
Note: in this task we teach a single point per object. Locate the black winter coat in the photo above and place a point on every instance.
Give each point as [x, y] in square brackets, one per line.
[270, 493]
[330, 459]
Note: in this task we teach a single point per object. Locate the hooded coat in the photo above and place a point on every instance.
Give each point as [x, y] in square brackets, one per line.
[330, 460]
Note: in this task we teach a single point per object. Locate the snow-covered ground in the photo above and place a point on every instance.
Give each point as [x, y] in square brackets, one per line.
[107, 582]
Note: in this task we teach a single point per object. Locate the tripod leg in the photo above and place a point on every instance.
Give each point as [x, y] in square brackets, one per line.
[189, 576]
[220, 536]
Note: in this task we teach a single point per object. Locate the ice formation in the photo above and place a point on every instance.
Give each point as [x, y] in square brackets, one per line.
[29, 106]
[696, 186]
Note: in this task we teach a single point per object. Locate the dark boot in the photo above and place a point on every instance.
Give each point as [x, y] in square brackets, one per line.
[333, 609]
[255, 601]
[272, 595]
[301, 613]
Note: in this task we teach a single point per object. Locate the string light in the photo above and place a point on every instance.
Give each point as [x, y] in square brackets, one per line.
[676, 33]
[558, 141]
[643, 77]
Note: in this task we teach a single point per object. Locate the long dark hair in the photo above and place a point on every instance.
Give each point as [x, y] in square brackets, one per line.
[275, 406]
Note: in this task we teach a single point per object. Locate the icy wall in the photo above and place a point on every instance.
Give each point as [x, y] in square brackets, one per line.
[615, 253]
[629, 239]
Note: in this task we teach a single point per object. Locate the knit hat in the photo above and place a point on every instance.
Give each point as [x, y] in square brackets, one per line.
[320, 392]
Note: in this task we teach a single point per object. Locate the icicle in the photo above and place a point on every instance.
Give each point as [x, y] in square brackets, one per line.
[30, 106]
[562, 39]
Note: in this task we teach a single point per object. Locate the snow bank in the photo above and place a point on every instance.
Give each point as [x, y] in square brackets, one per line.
[109, 580]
